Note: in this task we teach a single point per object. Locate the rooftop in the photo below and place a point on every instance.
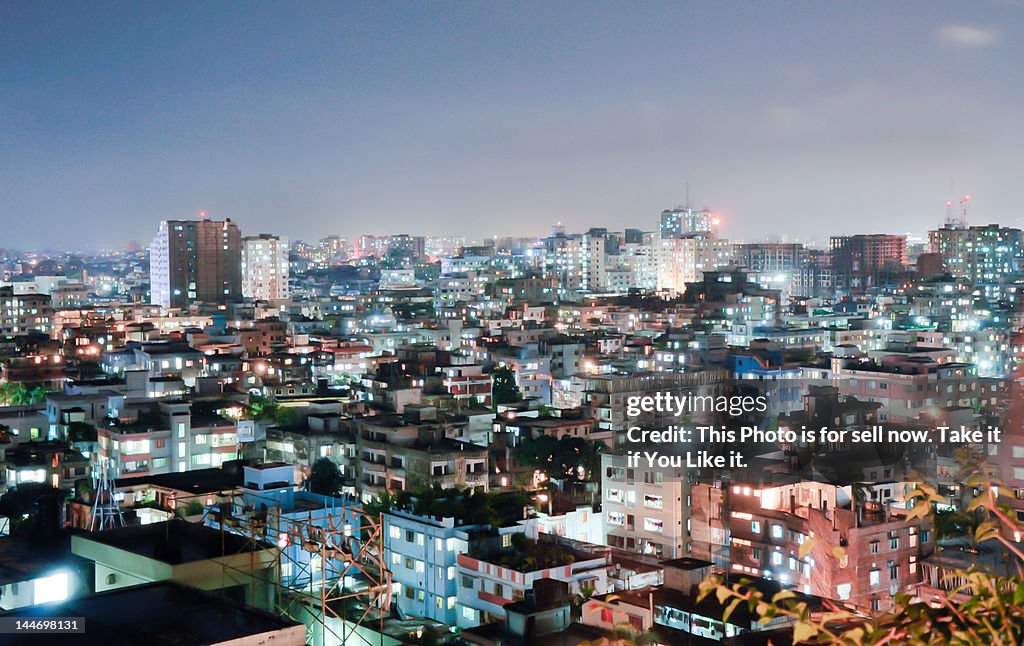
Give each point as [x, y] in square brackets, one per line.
[174, 542]
[158, 614]
[197, 481]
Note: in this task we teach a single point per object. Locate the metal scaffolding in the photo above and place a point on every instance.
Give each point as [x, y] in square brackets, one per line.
[336, 582]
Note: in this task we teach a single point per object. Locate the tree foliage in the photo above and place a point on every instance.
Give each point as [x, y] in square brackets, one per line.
[504, 389]
[18, 394]
[324, 478]
[568, 458]
[19, 504]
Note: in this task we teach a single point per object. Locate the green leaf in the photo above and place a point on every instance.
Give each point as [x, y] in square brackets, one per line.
[782, 595]
[804, 631]
[722, 593]
[732, 606]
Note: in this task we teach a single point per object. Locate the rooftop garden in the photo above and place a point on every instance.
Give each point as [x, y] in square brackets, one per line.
[525, 555]
[470, 507]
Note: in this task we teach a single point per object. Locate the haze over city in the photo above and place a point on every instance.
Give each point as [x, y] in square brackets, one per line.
[494, 119]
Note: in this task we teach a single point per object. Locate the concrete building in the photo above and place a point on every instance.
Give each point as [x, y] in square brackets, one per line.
[179, 614]
[683, 260]
[402, 454]
[21, 313]
[770, 257]
[195, 261]
[187, 553]
[422, 549]
[165, 438]
[681, 222]
[645, 508]
[980, 254]
[498, 574]
[265, 267]
[760, 530]
[861, 262]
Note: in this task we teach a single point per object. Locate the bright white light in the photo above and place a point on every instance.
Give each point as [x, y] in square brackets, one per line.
[51, 588]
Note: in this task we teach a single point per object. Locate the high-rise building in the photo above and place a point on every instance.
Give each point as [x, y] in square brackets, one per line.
[861, 262]
[195, 261]
[683, 260]
[981, 254]
[404, 244]
[770, 257]
[444, 246]
[684, 221]
[368, 245]
[334, 249]
[265, 267]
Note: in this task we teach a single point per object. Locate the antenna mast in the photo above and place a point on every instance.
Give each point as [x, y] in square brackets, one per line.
[964, 202]
[106, 513]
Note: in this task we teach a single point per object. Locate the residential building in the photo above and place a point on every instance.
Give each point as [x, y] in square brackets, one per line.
[195, 261]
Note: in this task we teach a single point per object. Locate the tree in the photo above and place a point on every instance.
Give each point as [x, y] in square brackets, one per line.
[37, 395]
[324, 478]
[504, 389]
[381, 504]
[193, 508]
[568, 458]
[262, 408]
[14, 394]
[19, 504]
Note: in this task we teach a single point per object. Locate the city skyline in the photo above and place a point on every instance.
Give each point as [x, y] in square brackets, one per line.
[354, 118]
[918, 237]
[452, 323]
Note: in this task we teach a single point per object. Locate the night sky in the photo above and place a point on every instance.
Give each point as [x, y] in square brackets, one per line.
[803, 118]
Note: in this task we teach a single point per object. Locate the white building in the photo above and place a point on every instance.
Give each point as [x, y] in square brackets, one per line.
[265, 267]
[683, 260]
[646, 508]
[160, 268]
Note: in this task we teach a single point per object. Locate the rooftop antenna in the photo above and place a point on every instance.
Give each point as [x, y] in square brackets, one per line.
[964, 203]
[106, 513]
[950, 222]
[687, 205]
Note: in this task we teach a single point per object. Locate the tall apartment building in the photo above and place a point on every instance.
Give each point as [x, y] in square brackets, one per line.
[681, 221]
[981, 254]
[265, 267]
[770, 257]
[860, 262]
[368, 245]
[563, 261]
[333, 248]
[684, 260]
[646, 509]
[813, 278]
[444, 246]
[195, 261]
[24, 313]
[405, 244]
[637, 260]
